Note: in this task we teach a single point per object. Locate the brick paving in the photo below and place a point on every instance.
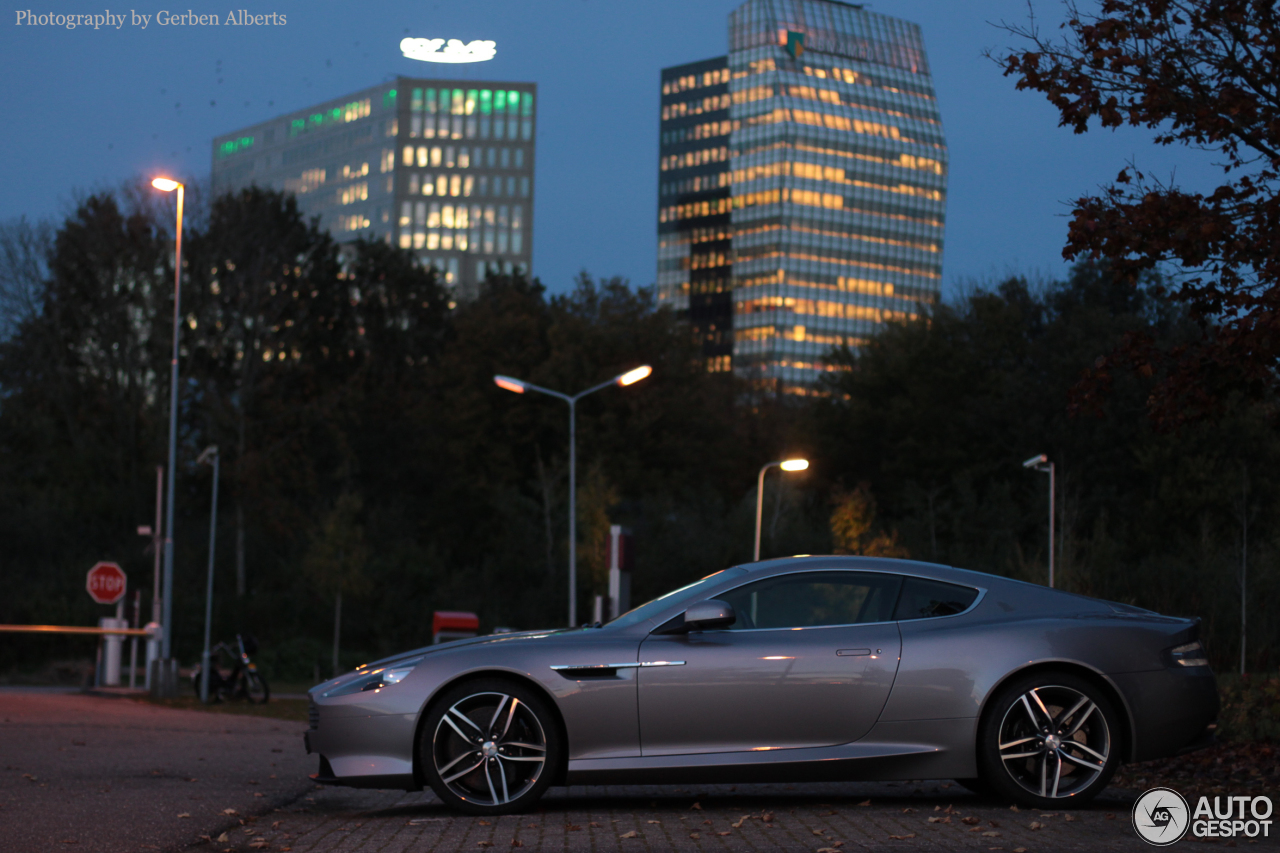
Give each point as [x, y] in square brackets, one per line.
[833, 818]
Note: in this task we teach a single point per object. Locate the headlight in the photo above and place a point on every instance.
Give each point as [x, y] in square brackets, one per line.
[1190, 654]
[377, 679]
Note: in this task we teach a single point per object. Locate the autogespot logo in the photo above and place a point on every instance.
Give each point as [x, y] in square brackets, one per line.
[1161, 817]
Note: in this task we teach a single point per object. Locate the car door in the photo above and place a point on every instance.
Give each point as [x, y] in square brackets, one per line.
[808, 662]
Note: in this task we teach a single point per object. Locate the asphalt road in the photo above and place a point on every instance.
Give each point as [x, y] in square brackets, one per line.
[85, 773]
[82, 773]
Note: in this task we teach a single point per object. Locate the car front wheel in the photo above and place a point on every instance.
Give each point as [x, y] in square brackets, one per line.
[490, 747]
[1049, 740]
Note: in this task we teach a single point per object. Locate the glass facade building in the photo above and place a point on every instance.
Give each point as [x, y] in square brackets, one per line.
[802, 188]
[441, 167]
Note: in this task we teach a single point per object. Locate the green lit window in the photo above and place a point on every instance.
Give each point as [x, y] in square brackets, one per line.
[499, 102]
[431, 100]
[389, 100]
[513, 103]
[416, 103]
[471, 101]
[459, 102]
[234, 146]
[527, 108]
[486, 101]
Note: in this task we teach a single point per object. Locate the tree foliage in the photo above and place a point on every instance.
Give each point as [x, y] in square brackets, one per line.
[1203, 74]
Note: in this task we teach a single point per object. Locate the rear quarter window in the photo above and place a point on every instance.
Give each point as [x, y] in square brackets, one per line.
[927, 599]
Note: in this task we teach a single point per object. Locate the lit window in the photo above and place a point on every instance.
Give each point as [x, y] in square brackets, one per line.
[446, 216]
[488, 241]
[460, 216]
[464, 158]
[435, 155]
[461, 241]
[488, 214]
[433, 215]
[446, 240]
[408, 155]
[455, 185]
[419, 239]
[428, 185]
[406, 240]
[442, 184]
[433, 240]
[515, 217]
[448, 156]
[406, 214]
[466, 185]
[422, 155]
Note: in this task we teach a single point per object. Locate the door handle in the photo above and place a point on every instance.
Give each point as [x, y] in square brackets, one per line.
[845, 653]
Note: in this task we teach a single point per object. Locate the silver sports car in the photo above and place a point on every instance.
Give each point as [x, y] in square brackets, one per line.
[800, 669]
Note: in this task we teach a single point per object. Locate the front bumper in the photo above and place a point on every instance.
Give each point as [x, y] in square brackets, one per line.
[363, 750]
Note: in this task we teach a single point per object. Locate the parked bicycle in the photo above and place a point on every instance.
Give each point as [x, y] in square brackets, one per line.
[243, 681]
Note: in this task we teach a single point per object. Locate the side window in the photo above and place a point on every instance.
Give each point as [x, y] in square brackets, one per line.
[923, 599]
[813, 599]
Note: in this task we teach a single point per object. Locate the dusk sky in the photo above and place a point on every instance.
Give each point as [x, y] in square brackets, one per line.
[92, 108]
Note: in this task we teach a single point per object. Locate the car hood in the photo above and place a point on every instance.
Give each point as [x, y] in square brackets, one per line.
[490, 639]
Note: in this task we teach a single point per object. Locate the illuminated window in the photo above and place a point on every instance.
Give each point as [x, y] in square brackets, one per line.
[408, 155]
[431, 100]
[515, 217]
[428, 185]
[448, 156]
[464, 158]
[406, 214]
[388, 162]
[419, 239]
[466, 185]
[442, 184]
[488, 241]
[460, 241]
[446, 240]
[433, 240]
[486, 101]
[460, 216]
[435, 156]
[446, 216]
[406, 240]
[423, 154]
[433, 215]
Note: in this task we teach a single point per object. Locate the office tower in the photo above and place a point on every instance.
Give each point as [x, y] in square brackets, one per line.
[442, 167]
[802, 187]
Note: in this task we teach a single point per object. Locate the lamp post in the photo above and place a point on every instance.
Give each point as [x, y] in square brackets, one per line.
[168, 185]
[519, 386]
[1042, 463]
[210, 452]
[785, 465]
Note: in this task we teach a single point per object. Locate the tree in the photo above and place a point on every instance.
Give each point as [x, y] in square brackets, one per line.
[336, 560]
[853, 526]
[1204, 74]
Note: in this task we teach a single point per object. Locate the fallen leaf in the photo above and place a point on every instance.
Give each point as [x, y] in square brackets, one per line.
[275, 825]
[939, 820]
[697, 806]
[726, 832]
[259, 844]
[706, 823]
[258, 794]
[1014, 808]
[484, 823]
[1054, 814]
[1069, 817]
[818, 831]
[908, 811]
[738, 823]
[655, 821]
[1035, 824]
[766, 816]
[221, 839]
[230, 811]
[991, 834]
[184, 814]
[970, 821]
[902, 837]
[865, 803]
[695, 835]
[631, 834]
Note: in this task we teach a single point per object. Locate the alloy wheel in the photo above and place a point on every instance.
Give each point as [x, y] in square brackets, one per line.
[489, 749]
[1054, 741]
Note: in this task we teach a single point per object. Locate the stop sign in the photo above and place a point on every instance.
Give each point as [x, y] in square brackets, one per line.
[106, 583]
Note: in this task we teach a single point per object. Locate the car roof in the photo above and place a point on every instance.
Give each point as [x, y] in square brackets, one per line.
[918, 568]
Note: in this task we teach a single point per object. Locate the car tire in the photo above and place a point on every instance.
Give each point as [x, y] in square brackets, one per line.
[490, 746]
[1049, 740]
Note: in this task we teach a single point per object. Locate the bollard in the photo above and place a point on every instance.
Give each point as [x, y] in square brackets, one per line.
[153, 649]
[113, 651]
[164, 678]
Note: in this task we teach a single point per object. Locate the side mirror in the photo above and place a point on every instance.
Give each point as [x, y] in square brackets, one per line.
[712, 613]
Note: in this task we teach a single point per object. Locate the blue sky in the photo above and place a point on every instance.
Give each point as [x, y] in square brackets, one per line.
[90, 108]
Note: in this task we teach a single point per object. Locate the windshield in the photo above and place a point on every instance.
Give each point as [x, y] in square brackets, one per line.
[692, 592]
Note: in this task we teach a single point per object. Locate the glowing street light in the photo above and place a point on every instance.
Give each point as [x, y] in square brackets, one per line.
[785, 465]
[1042, 463]
[169, 185]
[519, 386]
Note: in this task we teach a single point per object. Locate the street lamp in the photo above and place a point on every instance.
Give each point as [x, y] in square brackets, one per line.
[1042, 463]
[210, 453]
[519, 386]
[168, 185]
[785, 465]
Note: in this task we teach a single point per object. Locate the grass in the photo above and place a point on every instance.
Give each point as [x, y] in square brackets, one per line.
[293, 710]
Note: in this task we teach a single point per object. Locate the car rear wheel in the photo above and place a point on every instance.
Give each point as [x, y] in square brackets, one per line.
[1049, 740]
[490, 747]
